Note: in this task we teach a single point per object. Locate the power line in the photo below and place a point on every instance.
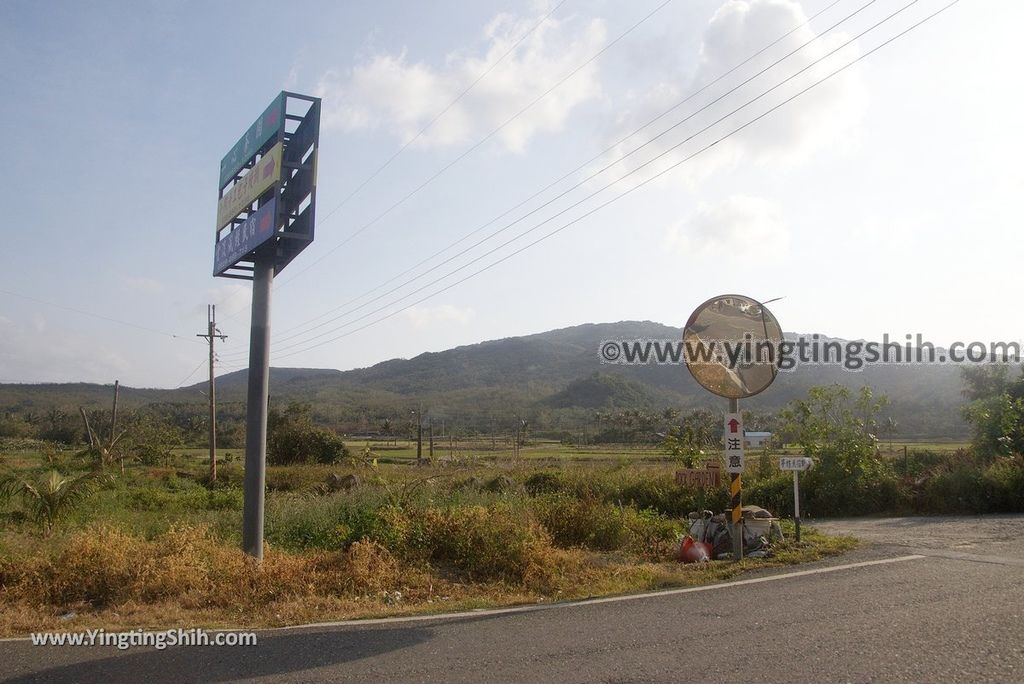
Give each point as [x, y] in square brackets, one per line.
[636, 187]
[186, 378]
[95, 315]
[602, 189]
[444, 111]
[578, 168]
[473, 147]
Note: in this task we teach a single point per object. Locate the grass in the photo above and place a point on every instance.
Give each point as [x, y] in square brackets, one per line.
[159, 547]
[185, 577]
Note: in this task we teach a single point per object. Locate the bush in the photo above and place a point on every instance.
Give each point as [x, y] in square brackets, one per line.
[292, 438]
[1004, 483]
[543, 482]
[774, 493]
[586, 523]
[484, 542]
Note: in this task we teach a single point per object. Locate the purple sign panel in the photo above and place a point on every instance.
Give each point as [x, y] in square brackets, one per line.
[245, 237]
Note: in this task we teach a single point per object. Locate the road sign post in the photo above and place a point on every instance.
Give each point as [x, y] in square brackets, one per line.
[796, 464]
[734, 465]
[743, 323]
[796, 503]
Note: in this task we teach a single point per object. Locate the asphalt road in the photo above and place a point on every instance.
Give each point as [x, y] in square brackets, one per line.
[929, 611]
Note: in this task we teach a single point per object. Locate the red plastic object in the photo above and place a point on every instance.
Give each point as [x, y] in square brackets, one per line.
[694, 552]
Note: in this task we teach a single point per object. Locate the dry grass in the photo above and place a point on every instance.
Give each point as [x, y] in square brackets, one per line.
[104, 577]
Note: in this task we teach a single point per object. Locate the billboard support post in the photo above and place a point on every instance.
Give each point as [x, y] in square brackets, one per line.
[256, 413]
[265, 218]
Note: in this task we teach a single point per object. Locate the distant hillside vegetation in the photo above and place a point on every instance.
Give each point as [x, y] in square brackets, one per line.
[554, 376]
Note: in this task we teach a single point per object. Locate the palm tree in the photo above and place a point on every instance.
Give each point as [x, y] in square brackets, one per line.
[53, 497]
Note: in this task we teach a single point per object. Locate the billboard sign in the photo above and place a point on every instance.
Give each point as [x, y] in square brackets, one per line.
[268, 189]
[262, 130]
[242, 194]
[259, 227]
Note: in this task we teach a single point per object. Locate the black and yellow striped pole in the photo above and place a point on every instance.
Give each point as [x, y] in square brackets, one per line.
[736, 499]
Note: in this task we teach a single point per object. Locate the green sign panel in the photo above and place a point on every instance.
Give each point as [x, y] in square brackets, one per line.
[262, 130]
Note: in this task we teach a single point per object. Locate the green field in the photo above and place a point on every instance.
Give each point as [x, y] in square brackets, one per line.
[160, 545]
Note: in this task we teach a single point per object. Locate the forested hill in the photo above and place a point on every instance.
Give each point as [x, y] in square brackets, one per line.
[554, 377]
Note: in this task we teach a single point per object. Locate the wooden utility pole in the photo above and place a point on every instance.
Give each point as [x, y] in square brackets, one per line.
[430, 428]
[212, 333]
[113, 424]
[419, 438]
[113, 412]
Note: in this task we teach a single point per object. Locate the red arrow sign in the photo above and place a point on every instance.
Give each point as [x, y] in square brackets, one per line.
[734, 425]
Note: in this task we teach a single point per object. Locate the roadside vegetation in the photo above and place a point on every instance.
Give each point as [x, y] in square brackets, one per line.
[355, 530]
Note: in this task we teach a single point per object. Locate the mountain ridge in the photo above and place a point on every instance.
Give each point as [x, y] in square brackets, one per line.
[556, 375]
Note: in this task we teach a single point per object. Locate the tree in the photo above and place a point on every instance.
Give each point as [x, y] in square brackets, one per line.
[53, 497]
[386, 429]
[837, 429]
[698, 434]
[996, 410]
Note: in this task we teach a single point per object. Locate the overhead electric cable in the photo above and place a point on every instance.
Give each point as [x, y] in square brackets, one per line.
[627, 192]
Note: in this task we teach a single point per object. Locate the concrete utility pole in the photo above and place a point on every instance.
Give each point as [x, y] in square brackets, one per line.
[211, 334]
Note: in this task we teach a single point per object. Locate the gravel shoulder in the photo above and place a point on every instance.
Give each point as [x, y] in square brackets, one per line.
[999, 536]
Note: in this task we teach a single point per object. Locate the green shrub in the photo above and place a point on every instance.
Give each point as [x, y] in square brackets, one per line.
[651, 535]
[224, 499]
[1004, 483]
[293, 438]
[496, 542]
[774, 493]
[587, 523]
[301, 523]
[543, 482]
[961, 490]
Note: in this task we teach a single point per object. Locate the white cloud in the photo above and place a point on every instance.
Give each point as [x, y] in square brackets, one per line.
[826, 117]
[142, 284]
[422, 317]
[37, 353]
[739, 226]
[401, 95]
[229, 298]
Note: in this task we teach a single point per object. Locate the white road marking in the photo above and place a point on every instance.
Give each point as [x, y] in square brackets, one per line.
[590, 602]
[574, 604]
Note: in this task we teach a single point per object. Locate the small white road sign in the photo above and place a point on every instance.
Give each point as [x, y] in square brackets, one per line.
[734, 442]
[795, 463]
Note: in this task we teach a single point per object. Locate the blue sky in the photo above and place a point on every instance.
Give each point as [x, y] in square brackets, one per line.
[883, 201]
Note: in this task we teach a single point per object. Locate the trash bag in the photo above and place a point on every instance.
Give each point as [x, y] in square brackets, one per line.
[691, 551]
[760, 528]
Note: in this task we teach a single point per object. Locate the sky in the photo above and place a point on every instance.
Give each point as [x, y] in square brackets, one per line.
[882, 200]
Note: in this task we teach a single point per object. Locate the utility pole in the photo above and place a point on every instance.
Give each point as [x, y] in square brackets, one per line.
[431, 430]
[211, 334]
[419, 438]
[113, 412]
[113, 427]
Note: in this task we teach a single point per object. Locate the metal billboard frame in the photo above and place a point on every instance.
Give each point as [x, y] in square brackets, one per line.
[295, 190]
